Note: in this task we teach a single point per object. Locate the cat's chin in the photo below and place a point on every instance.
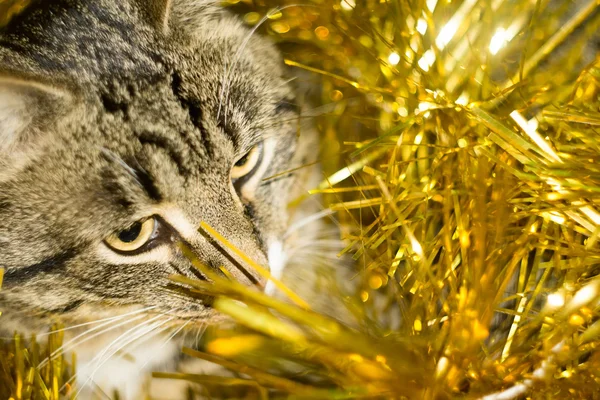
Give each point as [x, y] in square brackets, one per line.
[128, 373]
[119, 347]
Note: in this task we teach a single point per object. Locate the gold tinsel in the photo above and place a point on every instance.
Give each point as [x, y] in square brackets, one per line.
[33, 371]
[462, 158]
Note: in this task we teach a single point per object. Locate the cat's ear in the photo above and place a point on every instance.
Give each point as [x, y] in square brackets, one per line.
[26, 106]
[157, 12]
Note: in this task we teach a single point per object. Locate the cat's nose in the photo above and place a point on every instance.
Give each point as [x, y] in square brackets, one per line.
[221, 238]
[240, 259]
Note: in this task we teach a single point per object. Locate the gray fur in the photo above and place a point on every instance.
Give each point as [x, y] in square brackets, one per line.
[117, 114]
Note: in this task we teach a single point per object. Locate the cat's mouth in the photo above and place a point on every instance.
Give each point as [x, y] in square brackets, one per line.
[194, 300]
[174, 311]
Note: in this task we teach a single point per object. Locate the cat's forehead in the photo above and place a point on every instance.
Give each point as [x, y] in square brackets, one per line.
[179, 104]
[240, 93]
[95, 44]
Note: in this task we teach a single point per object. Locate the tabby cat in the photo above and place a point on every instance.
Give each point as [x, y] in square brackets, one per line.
[123, 125]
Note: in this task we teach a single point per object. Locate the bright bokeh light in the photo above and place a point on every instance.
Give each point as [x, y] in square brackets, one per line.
[556, 300]
[427, 60]
[498, 40]
[348, 4]
[446, 34]
[421, 26]
[394, 58]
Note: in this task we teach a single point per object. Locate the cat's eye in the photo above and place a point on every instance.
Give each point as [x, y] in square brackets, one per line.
[134, 237]
[247, 164]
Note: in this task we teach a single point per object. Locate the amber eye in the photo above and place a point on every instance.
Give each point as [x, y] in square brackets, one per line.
[132, 238]
[247, 164]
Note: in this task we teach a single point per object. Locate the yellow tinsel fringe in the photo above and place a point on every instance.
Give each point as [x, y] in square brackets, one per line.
[463, 155]
[33, 371]
[462, 159]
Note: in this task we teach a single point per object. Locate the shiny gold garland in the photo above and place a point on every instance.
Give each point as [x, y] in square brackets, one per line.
[461, 155]
[462, 150]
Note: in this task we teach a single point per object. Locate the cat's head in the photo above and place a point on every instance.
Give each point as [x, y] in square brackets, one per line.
[122, 127]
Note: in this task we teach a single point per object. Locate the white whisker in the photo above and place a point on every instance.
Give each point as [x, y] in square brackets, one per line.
[200, 332]
[137, 332]
[307, 220]
[98, 389]
[316, 254]
[312, 250]
[171, 336]
[74, 343]
[106, 348]
[324, 243]
[149, 336]
[227, 71]
[287, 81]
[117, 317]
[139, 327]
[306, 115]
